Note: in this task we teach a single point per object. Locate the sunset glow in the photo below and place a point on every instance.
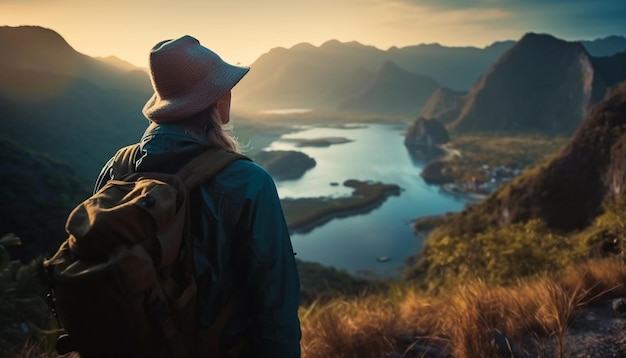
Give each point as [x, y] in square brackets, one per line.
[242, 30]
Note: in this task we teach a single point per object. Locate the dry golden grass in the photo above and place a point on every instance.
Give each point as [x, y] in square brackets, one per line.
[350, 328]
[461, 320]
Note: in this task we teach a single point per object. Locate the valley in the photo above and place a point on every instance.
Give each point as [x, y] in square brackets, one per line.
[540, 138]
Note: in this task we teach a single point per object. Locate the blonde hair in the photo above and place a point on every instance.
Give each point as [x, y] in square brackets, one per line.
[207, 126]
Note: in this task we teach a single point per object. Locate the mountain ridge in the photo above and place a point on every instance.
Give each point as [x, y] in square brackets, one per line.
[56, 100]
[392, 91]
[457, 68]
[568, 191]
[540, 84]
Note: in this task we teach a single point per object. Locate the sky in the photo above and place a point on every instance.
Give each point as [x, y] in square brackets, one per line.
[242, 30]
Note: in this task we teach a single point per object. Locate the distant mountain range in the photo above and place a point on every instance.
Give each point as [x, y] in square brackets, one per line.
[393, 91]
[75, 108]
[335, 75]
[66, 113]
[78, 109]
[325, 77]
[541, 84]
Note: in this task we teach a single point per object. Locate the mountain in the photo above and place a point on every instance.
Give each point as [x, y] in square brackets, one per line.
[569, 191]
[57, 101]
[120, 64]
[444, 104]
[605, 47]
[453, 67]
[591, 170]
[35, 207]
[424, 136]
[393, 91]
[306, 76]
[324, 77]
[611, 69]
[541, 84]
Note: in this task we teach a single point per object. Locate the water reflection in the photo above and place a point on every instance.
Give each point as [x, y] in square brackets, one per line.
[374, 152]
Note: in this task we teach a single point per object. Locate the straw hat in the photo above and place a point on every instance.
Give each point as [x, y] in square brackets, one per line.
[187, 78]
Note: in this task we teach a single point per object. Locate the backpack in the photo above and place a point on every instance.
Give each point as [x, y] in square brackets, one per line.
[122, 283]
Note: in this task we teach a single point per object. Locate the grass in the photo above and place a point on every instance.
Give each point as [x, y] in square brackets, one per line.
[534, 314]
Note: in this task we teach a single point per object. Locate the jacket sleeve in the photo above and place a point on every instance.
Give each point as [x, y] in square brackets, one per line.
[271, 273]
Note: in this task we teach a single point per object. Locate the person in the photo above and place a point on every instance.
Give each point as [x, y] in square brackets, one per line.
[241, 243]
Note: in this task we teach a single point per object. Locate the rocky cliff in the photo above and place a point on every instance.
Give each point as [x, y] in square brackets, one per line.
[541, 84]
[444, 104]
[569, 191]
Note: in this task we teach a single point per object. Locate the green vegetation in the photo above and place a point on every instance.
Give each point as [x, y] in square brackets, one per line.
[495, 150]
[304, 213]
[321, 284]
[37, 195]
[457, 252]
[23, 312]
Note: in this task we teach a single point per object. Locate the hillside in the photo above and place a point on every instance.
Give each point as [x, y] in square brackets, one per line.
[444, 104]
[57, 101]
[120, 64]
[424, 136]
[565, 210]
[611, 69]
[541, 84]
[37, 194]
[392, 91]
[570, 191]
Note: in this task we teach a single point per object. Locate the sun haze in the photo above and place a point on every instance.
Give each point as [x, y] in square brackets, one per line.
[241, 30]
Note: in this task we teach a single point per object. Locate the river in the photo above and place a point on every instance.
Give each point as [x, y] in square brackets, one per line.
[355, 243]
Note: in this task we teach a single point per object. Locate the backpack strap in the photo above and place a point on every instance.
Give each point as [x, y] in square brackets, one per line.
[198, 170]
[206, 165]
[193, 173]
[124, 161]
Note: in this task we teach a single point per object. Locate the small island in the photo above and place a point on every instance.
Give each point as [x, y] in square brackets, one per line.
[285, 164]
[304, 214]
[318, 142]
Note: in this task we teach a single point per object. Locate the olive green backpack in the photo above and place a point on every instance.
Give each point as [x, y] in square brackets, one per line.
[122, 284]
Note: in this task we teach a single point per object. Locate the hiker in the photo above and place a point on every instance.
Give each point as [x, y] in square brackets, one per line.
[241, 244]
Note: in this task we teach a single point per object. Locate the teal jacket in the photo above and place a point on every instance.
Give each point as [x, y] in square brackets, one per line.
[241, 242]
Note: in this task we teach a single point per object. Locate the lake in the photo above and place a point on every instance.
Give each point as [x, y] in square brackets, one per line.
[375, 152]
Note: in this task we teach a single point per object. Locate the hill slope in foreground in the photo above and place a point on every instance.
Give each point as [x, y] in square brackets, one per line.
[510, 277]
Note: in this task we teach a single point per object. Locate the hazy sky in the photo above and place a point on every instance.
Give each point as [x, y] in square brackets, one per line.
[241, 30]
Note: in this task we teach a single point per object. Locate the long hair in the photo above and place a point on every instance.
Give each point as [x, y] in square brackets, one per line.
[207, 125]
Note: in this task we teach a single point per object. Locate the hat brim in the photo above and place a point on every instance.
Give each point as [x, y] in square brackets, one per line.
[195, 99]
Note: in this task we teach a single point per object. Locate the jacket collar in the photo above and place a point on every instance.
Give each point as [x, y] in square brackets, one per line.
[166, 147]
